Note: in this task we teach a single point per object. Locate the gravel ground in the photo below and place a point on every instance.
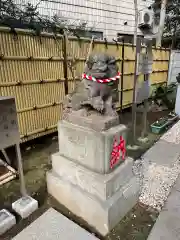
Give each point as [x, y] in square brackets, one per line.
[156, 180]
[173, 135]
[157, 184]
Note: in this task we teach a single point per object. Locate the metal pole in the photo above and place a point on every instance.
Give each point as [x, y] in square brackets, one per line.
[137, 43]
[162, 20]
[6, 156]
[20, 169]
[136, 21]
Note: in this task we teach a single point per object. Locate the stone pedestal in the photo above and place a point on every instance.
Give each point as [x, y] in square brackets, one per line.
[87, 147]
[82, 180]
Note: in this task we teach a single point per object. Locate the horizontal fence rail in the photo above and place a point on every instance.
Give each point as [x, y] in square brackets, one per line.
[36, 70]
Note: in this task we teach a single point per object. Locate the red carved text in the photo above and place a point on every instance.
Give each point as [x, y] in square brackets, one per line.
[117, 150]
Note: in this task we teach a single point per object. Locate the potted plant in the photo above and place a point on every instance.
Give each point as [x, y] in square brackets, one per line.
[163, 123]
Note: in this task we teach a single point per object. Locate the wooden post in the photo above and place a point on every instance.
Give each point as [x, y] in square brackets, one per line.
[161, 23]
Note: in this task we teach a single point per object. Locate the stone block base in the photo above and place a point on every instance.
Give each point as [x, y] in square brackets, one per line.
[25, 206]
[89, 148]
[103, 186]
[7, 221]
[94, 121]
[103, 215]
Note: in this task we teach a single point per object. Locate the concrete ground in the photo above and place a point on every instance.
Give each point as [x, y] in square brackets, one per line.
[36, 155]
[168, 223]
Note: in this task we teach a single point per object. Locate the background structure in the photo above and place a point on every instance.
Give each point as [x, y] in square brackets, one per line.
[104, 19]
[33, 69]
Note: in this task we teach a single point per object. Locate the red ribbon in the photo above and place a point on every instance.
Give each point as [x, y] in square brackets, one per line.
[117, 149]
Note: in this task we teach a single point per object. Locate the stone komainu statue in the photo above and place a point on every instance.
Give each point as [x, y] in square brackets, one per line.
[98, 88]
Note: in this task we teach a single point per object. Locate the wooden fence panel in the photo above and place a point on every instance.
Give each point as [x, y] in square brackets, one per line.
[29, 45]
[32, 70]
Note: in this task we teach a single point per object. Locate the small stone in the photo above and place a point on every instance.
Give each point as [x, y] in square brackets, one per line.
[25, 206]
[28, 148]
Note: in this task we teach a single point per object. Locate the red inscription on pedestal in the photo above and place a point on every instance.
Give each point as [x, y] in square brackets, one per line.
[117, 150]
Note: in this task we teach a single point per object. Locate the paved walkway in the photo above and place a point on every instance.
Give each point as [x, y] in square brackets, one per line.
[167, 226]
[54, 226]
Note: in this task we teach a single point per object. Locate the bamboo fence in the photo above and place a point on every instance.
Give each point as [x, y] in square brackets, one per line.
[35, 69]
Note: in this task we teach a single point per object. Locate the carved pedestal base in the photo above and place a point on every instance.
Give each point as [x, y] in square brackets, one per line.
[83, 178]
[102, 200]
[88, 147]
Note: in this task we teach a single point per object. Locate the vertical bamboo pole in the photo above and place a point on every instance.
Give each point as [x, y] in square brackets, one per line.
[122, 76]
[65, 63]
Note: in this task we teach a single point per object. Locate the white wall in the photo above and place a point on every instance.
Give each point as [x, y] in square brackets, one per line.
[102, 15]
[174, 66]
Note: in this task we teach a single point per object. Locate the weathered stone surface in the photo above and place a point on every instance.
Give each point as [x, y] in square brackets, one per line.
[102, 215]
[54, 226]
[101, 65]
[101, 185]
[87, 147]
[94, 121]
[96, 95]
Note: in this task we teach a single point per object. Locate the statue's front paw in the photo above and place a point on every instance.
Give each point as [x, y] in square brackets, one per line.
[99, 108]
[98, 104]
[110, 112]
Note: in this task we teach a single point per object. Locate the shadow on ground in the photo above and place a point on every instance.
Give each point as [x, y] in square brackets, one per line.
[36, 155]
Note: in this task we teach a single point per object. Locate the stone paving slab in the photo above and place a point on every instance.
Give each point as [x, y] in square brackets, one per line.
[167, 225]
[54, 226]
[162, 153]
[177, 184]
